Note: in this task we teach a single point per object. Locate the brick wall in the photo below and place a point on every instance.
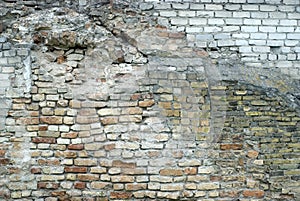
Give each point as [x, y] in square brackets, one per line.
[173, 100]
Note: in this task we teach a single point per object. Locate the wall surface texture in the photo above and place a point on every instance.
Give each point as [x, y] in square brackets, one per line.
[150, 100]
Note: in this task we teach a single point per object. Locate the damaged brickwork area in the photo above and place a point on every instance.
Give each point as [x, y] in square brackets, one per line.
[116, 100]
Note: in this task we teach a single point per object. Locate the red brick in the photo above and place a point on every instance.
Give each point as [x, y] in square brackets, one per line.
[118, 163]
[254, 193]
[28, 121]
[135, 187]
[48, 162]
[4, 161]
[76, 169]
[79, 185]
[70, 135]
[75, 146]
[43, 128]
[48, 185]
[44, 140]
[36, 170]
[190, 170]
[120, 195]
[51, 120]
[2, 153]
[146, 103]
[88, 177]
[171, 172]
[231, 146]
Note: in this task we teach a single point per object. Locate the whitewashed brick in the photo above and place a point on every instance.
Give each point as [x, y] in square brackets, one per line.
[222, 36]
[223, 14]
[267, 28]
[179, 21]
[162, 6]
[261, 15]
[194, 6]
[180, 6]
[270, 22]
[241, 14]
[293, 56]
[295, 36]
[291, 2]
[212, 29]
[194, 29]
[205, 13]
[234, 21]
[168, 13]
[197, 21]
[237, 1]
[250, 7]
[285, 49]
[257, 42]
[255, 1]
[251, 29]
[285, 29]
[275, 43]
[267, 8]
[288, 22]
[272, 57]
[277, 35]
[294, 15]
[252, 22]
[213, 7]
[261, 49]
[285, 8]
[241, 42]
[222, 43]
[241, 35]
[232, 7]
[291, 42]
[285, 64]
[216, 21]
[187, 13]
[231, 28]
[203, 37]
[279, 15]
[258, 36]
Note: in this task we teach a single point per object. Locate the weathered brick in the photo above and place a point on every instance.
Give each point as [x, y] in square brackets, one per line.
[171, 172]
[51, 120]
[120, 195]
[76, 169]
[231, 146]
[48, 185]
[88, 177]
[254, 193]
[121, 164]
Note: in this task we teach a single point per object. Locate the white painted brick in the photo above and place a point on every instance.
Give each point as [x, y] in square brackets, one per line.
[267, 8]
[232, 7]
[179, 21]
[223, 14]
[251, 29]
[285, 64]
[279, 15]
[194, 6]
[237, 1]
[288, 22]
[216, 21]
[241, 42]
[168, 13]
[197, 21]
[205, 13]
[220, 1]
[212, 29]
[292, 56]
[252, 22]
[291, 42]
[250, 7]
[241, 14]
[241, 35]
[275, 43]
[294, 15]
[272, 57]
[285, 29]
[255, 1]
[291, 2]
[212, 44]
[261, 49]
[187, 13]
[213, 7]
[245, 49]
[201, 44]
[204, 37]
[262, 15]
[234, 21]
[190, 37]
[285, 49]
[295, 36]
[267, 29]
[258, 36]
[194, 29]
[223, 43]
[277, 36]
[270, 22]
[162, 6]
[281, 57]
[284, 8]
[258, 42]
[180, 6]
[263, 57]
[231, 28]
[222, 36]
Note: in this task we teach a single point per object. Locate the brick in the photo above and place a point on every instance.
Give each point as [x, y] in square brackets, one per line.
[51, 120]
[85, 162]
[122, 179]
[48, 185]
[187, 13]
[208, 186]
[121, 164]
[213, 7]
[120, 195]
[231, 146]
[252, 22]
[88, 177]
[44, 140]
[168, 13]
[171, 172]
[146, 103]
[135, 187]
[254, 193]
[76, 169]
[179, 21]
[79, 185]
[76, 146]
